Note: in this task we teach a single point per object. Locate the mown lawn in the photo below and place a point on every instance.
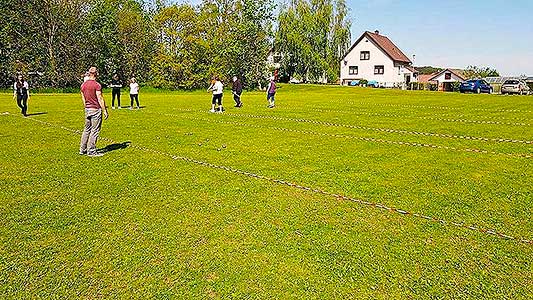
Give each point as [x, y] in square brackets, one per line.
[138, 224]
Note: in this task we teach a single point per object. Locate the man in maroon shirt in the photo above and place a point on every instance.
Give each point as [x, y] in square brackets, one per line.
[91, 94]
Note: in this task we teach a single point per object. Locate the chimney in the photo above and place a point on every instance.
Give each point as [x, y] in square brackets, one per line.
[376, 32]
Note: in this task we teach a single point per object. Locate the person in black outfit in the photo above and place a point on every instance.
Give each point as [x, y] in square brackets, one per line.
[237, 91]
[21, 92]
[116, 85]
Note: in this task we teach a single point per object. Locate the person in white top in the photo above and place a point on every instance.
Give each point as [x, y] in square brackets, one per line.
[218, 91]
[21, 92]
[134, 92]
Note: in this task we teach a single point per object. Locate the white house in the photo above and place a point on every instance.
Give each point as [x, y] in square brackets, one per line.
[273, 59]
[446, 78]
[374, 57]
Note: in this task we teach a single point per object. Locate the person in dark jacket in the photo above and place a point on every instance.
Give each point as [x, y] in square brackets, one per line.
[237, 91]
[116, 85]
[21, 92]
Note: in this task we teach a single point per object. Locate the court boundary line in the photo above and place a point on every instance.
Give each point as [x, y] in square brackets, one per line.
[389, 115]
[488, 232]
[499, 120]
[438, 107]
[367, 128]
[354, 109]
[366, 139]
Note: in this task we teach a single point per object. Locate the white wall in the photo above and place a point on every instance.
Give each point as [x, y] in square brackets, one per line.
[392, 76]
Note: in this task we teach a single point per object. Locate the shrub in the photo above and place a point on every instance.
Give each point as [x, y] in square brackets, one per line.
[431, 86]
[456, 86]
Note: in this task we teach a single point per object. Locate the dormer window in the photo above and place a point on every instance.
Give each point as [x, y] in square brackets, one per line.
[365, 55]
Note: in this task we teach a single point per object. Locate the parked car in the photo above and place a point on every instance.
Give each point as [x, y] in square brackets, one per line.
[515, 87]
[476, 86]
[373, 84]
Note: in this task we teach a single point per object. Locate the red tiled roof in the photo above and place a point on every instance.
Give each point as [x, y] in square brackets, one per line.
[388, 47]
[424, 78]
[385, 44]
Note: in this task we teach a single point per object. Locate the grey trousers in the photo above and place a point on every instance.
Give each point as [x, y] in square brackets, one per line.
[93, 124]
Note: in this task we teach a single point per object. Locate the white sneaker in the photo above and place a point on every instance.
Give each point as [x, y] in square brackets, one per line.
[112, 107]
[95, 154]
[212, 111]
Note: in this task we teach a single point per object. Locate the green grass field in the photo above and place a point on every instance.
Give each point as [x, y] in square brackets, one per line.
[152, 220]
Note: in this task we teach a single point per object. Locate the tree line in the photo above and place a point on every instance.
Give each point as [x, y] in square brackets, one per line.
[175, 46]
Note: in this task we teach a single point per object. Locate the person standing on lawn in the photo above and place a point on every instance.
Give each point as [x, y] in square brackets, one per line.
[21, 93]
[134, 92]
[236, 89]
[218, 91]
[271, 93]
[116, 85]
[93, 100]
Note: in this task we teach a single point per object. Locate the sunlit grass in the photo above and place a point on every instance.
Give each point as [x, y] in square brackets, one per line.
[138, 224]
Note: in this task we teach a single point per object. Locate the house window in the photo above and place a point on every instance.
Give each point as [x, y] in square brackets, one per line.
[365, 55]
[354, 70]
[448, 76]
[379, 70]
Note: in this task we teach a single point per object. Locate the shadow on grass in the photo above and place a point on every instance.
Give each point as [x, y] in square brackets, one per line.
[114, 147]
[37, 114]
[132, 107]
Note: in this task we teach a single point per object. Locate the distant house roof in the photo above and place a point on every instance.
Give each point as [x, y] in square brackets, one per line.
[425, 78]
[385, 44]
[456, 72]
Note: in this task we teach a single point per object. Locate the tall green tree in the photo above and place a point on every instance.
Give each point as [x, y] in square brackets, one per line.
[40, 38]
[216, 38]
[312, 36]
[119, 38]
[253, 38]
[181, 59]
[475, 72]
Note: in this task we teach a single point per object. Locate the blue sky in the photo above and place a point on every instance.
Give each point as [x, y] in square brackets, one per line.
[451, 33]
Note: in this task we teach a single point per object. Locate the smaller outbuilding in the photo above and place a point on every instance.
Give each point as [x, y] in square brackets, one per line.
[446, 79]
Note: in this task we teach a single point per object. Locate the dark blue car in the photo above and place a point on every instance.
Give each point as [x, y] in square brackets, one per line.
[477, 86]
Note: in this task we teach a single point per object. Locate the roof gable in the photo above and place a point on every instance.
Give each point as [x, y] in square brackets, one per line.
[385, 44]
[454, 72]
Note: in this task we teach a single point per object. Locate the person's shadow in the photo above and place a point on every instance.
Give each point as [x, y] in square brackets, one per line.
[37, 114]
[114, 147]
